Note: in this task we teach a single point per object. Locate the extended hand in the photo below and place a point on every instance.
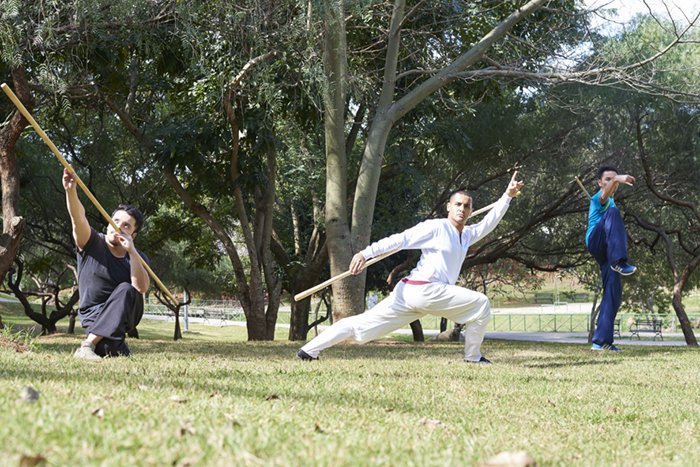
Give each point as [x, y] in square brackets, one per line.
[514, 186]
[626, 179]
[68, 180]
[125, 241]
[357, 264]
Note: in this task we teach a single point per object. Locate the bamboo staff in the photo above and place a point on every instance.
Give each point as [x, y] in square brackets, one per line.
[582, 187]
[370, 262]
[82, 185]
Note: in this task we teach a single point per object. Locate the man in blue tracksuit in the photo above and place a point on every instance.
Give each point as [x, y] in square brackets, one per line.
[606, 240]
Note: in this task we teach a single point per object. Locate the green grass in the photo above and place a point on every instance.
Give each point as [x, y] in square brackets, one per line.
[214, 399]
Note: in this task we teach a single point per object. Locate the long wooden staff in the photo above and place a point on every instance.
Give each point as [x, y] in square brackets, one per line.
[370, 262]
[582, 187]
[82, 185]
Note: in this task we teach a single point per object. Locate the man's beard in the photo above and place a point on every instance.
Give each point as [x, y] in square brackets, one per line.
[111, 239]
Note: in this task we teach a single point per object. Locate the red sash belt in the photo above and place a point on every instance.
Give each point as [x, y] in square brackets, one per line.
[410, 282]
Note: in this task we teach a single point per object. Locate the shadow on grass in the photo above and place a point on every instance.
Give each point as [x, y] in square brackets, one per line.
[382, 349]
[64, 344]
[269, 371]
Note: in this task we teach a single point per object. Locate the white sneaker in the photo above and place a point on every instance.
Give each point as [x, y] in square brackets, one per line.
[86, 351]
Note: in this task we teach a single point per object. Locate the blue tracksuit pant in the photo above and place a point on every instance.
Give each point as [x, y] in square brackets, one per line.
[608, 245]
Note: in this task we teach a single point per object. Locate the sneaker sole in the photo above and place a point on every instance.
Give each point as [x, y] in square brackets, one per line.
[624, 273]
[595, 349]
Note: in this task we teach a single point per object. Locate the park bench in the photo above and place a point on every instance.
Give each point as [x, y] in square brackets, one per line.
[576, 297]
[544, 298]
[582, 297]
[651, 324]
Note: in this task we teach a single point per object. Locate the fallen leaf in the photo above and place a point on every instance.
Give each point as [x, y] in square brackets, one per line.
[234, 421]
[31, 461]
[29, 394]
[612, 409]
[16, 346]
[510, 459]
[186, 429]
[431, 422]
[98, 412]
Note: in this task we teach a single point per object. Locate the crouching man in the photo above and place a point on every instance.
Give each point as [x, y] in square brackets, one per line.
[111, 279]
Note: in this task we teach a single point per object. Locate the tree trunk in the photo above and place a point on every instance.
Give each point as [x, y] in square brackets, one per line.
[417, 331]
[12, 232]
[177, 332]
[686, 326]
[273, 283]
[13, 280]
[299, 320]
[594, 315]
[348, 294]
[677, 301]
[12, 224]
[71, 322]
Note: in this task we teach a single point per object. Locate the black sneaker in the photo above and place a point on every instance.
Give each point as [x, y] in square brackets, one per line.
[304, 356]
[112, 348]
[482, 361]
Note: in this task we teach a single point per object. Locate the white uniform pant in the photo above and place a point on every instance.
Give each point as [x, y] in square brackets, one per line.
[407, 303]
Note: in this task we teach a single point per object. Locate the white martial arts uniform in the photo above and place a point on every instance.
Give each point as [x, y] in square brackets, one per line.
[428, 289]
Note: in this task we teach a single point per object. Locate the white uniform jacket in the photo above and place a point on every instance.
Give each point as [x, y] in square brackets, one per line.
[443, 249]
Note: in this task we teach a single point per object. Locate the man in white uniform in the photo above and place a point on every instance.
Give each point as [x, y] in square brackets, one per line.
[430, 288]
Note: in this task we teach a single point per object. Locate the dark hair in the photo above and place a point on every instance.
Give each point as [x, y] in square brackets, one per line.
[605, 168]
[459, 191]
[133, 212]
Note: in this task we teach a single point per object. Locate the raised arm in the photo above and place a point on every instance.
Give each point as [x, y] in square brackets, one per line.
[480, 230]
[610, 188]
[81, 227]
[514, 186]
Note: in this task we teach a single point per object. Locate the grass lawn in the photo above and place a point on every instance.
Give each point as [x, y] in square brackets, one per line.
[214, 399]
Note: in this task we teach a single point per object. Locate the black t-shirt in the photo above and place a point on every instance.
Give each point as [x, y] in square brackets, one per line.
[99, 271]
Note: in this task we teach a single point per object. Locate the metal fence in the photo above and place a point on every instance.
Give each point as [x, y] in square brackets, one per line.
[224, 312]
[214, 312]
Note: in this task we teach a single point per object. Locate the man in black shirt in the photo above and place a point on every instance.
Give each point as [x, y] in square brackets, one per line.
[111, 284]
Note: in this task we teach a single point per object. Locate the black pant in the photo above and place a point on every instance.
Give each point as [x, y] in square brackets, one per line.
[115, 318]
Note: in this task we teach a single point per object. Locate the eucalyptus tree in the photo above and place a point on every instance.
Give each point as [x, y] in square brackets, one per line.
[654, 135]
[299, 240]
[461, 41]
[455, 36]
[58, 51]
[668, 148]
[12, 222]
[215, 128]
[202, 88]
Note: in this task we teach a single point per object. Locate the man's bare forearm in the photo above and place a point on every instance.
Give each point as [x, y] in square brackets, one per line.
[79, 222]
[139, 276]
